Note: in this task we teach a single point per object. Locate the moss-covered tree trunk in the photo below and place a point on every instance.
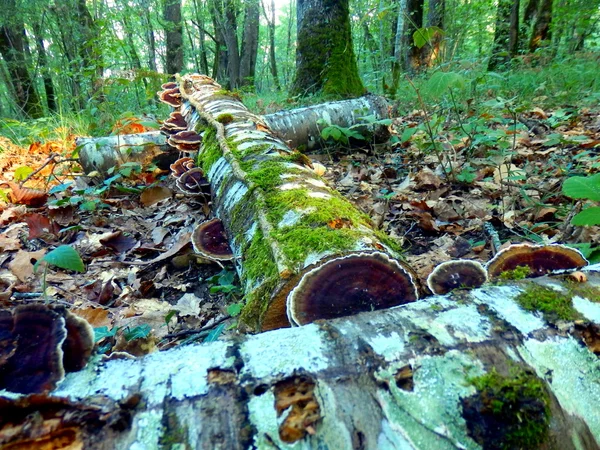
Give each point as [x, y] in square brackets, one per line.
[325, 59]
[282, 220]
[465, 371]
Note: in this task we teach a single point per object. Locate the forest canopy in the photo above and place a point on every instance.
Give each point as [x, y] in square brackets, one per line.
[103, 58]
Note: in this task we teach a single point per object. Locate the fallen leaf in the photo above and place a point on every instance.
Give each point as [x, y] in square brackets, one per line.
[155, 194]
[188, 305]
[97, 317]
[22, 264]
[119, 242]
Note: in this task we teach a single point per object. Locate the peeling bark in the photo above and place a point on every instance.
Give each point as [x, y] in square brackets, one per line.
[297, 127]
[392, 379]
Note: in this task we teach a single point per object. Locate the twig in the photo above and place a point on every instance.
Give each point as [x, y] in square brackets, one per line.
[32, 174]
[197, 331]
[494, 237]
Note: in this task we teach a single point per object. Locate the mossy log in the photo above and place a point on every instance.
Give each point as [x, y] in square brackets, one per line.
[470, 370]
[298, 127]
[283, 221]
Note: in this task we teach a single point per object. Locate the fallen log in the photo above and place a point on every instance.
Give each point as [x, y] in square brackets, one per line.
[302, 251]
[298, 127]
[465, 371]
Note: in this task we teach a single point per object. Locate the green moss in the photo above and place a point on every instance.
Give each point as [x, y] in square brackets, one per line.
[176, 434]
[508, 412]
[584, 290]
[519, 273]
[327, 62]
[225, 118]
[211, 151]
[552, 304]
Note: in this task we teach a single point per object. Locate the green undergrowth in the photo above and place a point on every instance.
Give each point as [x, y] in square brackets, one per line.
[508, 412]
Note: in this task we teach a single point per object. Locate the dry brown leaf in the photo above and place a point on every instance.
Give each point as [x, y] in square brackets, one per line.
[22, 264]
[155, 194]
[97, 317]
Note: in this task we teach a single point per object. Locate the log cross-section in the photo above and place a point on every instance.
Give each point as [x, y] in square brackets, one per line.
[283, 221]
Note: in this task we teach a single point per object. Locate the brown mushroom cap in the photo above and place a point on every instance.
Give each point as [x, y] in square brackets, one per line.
[169, 85]
[175, 121]
[79, 344]
[193, 182]
[541, 259]
[181, 166]
[209, 240]
[458, 274]
[348, 285]
[36, 364]
[171, 97]
[185, 141]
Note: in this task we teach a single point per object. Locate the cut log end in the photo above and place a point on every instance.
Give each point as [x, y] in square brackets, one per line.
[348, 285]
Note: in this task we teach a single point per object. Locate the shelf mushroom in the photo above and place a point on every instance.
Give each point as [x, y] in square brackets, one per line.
[181, 166]
[540, 259]
[171, 97]
[193, 182]
[38, 344]
[461, 273]
[210, 241]
[339, 287]
[185, 141]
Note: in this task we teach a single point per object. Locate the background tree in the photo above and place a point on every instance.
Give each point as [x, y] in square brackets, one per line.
[325, 59]
[541, 25]
[506, 34]
[174, 36]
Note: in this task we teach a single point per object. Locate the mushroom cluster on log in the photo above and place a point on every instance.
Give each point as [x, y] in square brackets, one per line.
[302, 251]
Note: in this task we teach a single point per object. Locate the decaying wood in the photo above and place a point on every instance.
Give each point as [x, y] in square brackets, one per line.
[298, 127]
[281, 218]
[390, 379]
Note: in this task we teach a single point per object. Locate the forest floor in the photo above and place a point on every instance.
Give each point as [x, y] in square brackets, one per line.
[143, 288]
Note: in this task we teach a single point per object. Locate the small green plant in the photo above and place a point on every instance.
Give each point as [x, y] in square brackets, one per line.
[339, 134]
[225, 283]
[64, 257]
[584, 188]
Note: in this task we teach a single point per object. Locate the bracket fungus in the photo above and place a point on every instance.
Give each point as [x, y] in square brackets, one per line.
[210, 241]
[461, 273]
[539, 259]
[185, 141]
[181, 166]
[171, 97]
[350, 284]
[193, 182]
[38, 344]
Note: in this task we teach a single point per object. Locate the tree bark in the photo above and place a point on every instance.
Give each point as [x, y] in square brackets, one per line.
[271, 30]
[506, 33]
[431, 52]
[149, 33]
[44, 68]
[249, 43]
[297, 127]
[541, 26]
[401, 378]
[325, 60]
[411, 61]
[283, 222]
[174, 36]
[13, 53]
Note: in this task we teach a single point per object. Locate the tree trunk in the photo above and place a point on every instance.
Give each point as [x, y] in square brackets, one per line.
[286, 228]
[271, 29]
[325, 60]
[435, 374]
[12, 50]
[504, 41]
[44, 68]
[297, 127]
[174, 36]
[413, 21]
[249, 43]
[150, 40]
[202, 34]
[431, 52]
[398, 47]
[541, 26]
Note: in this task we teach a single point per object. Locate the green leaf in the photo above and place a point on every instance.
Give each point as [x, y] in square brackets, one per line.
[22, 172]
[103, 332]
[90, 205]
[440, 82]
[65, 257]
[215, 333]
[149, 124]
[139, 332]
[4, 195]
[583, 187]
[60, 188]
[408, 133]
[590, 216]
[425, 35]
[234, 309]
